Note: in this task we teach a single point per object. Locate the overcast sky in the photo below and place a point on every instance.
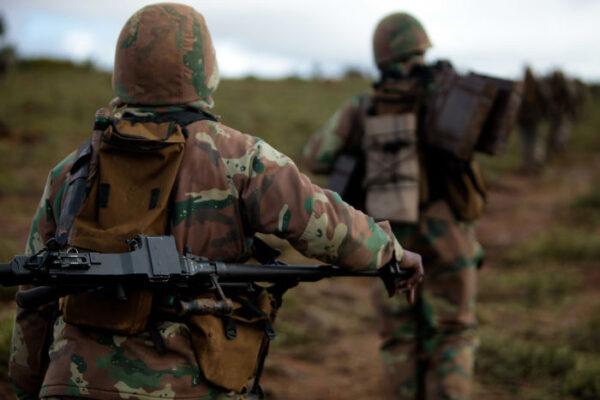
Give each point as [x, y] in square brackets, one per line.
[274, 38]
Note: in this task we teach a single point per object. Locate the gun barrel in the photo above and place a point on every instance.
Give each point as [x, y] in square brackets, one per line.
[300, 273]
[6, 274]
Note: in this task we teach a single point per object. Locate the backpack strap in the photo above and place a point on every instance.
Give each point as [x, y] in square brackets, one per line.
[182, 117]
[77, 186]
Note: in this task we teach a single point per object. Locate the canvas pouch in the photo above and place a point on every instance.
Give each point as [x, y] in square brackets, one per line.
[134, 164]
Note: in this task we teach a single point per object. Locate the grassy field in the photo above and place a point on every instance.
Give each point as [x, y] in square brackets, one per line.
[539, 306]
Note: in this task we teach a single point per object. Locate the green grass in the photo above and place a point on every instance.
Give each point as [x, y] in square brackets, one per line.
[561, 244]
[585, 209]
[585, 336]
[554, 369]
[584, 382]
[284, 113]
[531, 347]
[533, 285]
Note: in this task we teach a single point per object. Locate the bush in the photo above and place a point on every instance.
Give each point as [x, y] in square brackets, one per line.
[584, 383]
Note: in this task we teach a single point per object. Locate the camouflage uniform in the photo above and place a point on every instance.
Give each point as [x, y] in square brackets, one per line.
[428, 348]
[230, 185]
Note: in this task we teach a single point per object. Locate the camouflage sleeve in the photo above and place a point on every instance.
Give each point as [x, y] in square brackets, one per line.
[33, 328]
[280, 200]
[343, 126]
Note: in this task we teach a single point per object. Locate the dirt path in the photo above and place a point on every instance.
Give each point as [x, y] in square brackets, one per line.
[347, 365]
[343, 362]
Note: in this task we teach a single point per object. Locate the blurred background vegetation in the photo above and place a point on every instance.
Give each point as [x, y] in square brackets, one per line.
[539, 304]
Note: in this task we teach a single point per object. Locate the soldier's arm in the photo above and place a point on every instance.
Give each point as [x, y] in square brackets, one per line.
[280, 200]
[338, 133]
[33, 328]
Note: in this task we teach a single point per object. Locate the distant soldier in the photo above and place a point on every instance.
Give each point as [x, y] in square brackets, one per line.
[386, 152]
[581, 96]
[533, 110]
[159, 163]
[562, 110]
[560, 105]
[7, 53]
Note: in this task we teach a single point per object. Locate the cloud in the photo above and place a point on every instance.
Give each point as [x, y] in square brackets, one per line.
[79, 44]
[267, 37]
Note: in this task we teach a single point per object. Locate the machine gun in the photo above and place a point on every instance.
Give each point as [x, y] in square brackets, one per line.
[154, 263]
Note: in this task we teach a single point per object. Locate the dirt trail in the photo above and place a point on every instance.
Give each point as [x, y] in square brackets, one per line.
[347, 365]
[344, 362]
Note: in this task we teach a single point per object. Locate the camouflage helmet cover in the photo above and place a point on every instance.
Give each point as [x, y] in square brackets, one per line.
[165, 56]
[397, 37]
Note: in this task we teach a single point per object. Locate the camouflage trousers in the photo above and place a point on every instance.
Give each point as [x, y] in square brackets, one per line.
[428, 348]
[558, 135]
[532, 147]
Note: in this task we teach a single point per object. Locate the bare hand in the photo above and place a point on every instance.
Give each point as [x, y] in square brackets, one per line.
[410, 261]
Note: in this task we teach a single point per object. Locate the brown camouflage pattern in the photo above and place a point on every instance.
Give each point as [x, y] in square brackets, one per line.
[429, 345]
[397, 37]
[230, 186]
[165, 56]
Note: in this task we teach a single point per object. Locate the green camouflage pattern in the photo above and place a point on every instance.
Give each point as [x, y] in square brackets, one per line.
[429, 345]
[397, 37]
[165, 56]
[230, 186]
[428, 349]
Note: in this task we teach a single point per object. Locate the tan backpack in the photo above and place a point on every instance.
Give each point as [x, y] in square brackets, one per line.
[132, 169]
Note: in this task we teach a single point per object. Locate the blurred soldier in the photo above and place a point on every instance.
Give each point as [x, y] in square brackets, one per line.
[7, 53]
[162, 163]
[532, 112]
[582, 95]
[431, 198]
[562, 110]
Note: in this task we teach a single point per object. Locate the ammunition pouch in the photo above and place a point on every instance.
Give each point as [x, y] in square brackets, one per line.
[104, 310]
[392, 167]
[470, 113]
[229, 348]
[465, 190]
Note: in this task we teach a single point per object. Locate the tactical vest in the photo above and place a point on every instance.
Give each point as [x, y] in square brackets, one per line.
[405, 171]
[390, 144]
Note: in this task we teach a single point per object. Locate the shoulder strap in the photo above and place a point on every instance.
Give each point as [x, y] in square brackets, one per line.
[181, 117]
[81, 170]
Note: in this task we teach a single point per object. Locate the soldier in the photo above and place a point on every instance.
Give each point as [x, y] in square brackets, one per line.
[161, 163]
[428, 348]
[532, 112]
[562, 111]
[7, 52]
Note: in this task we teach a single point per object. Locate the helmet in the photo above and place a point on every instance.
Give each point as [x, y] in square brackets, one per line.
[397, 37]
[165, 56]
